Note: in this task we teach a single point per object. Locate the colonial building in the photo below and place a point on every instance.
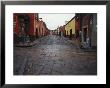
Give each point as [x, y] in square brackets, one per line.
[86, 30]
[43, 30]
[28, 27]
[70, 28]
[24, 26]
[62, 31]
[94, 31]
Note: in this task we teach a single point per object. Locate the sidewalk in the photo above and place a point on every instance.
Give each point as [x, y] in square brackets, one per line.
[82, 49]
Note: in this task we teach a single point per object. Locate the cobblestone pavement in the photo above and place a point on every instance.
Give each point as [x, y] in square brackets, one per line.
[54, 55]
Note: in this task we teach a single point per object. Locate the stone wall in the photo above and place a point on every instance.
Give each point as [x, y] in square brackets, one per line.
[94, 31]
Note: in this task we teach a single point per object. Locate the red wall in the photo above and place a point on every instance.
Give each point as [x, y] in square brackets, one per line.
[15, 24]
[86, 20]
[31, 29]
[77, 24]
[43, 32]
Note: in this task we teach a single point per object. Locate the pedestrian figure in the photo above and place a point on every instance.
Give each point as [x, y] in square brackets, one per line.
[80, 35]
[88, 42]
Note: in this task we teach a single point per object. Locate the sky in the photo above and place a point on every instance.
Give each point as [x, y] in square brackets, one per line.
[54, 20]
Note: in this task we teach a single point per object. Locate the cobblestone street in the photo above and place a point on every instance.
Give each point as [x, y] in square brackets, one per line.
[54, 55]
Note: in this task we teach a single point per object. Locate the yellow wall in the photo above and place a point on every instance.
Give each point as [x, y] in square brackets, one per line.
[70, 25]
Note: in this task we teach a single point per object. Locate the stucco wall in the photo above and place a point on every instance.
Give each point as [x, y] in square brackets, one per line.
[69, 26]
[94, 31]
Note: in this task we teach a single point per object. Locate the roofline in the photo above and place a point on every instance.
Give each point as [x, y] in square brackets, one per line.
[70, 20]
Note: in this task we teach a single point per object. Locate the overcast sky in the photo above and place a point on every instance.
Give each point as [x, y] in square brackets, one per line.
[54, 20]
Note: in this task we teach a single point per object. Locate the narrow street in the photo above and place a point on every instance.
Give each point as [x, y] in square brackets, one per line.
[54, 55]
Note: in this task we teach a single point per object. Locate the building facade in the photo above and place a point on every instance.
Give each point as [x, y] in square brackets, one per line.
[94, 31]
[86, 29]
[62, 30]
[70, 28]
[28, 27]
[43, 30]
[24, 26]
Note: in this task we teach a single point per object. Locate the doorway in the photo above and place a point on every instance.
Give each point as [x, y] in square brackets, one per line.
[84, 34]
[70, 33]
[24, 25]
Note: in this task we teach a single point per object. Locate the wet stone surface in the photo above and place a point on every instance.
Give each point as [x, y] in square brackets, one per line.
[54, 55]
